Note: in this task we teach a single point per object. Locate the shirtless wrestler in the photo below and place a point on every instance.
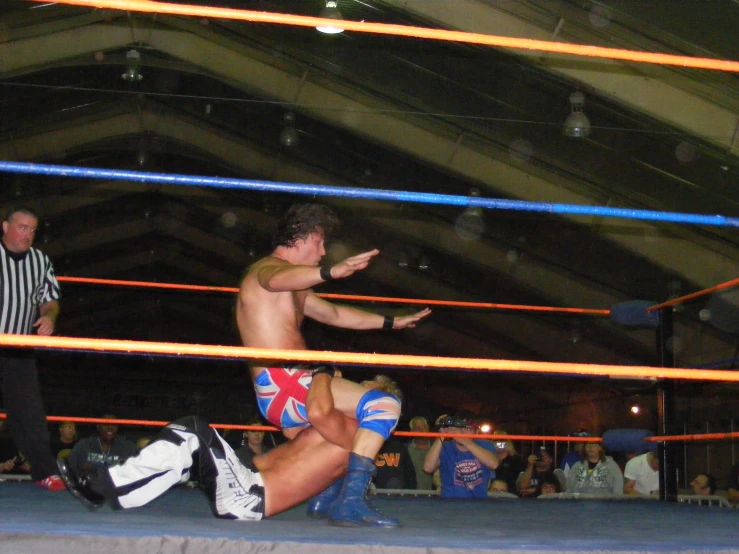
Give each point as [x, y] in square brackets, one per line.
[274, 297]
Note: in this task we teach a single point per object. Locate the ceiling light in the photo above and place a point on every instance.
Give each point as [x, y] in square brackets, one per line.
[470, 224]
[674, 290]
[133, 62]
[577, 123]
[330, 12]
[403, 261]
[289, 136]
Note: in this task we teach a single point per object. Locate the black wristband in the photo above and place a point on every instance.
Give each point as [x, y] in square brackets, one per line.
[326, 272]
[387, 325]
[327, 369]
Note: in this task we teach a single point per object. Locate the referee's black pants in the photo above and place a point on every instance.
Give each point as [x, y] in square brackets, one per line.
[26, 414]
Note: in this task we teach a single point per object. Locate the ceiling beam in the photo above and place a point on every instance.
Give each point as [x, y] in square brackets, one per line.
[637, 86]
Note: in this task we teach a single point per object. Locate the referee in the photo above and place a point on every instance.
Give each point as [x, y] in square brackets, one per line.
[29, 301]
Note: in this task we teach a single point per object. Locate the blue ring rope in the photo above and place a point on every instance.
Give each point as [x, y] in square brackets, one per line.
[374, 194]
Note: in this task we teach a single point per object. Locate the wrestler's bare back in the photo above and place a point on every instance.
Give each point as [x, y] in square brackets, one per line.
[268, 319]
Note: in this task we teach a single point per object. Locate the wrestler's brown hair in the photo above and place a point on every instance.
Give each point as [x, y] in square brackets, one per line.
[302, 220]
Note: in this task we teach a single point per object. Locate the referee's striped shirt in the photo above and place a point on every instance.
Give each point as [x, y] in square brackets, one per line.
[26, 281]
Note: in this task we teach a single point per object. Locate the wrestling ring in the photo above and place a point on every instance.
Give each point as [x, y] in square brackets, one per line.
[32, 520]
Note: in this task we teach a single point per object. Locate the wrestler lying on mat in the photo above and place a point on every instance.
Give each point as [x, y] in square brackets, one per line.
[288, 474]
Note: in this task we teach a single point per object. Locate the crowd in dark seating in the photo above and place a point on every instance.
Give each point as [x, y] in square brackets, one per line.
[457, 466]
[468, 467]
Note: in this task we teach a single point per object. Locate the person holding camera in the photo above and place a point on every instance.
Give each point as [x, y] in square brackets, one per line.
[465, 464]
[511, 464]
[539, 468]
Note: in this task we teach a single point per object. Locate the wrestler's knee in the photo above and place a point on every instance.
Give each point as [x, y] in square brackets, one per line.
[378, 411]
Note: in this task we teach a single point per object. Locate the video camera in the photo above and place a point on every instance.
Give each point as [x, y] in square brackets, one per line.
[454, 421]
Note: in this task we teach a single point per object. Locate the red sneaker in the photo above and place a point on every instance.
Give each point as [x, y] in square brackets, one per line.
[52, 483]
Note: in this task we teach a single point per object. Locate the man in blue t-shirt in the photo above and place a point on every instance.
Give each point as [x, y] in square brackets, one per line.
[465, 465]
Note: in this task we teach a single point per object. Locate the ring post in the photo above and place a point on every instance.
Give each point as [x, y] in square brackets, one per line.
[666, 409]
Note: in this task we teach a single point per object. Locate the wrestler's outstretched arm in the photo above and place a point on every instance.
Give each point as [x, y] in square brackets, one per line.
[348, 317]
[277, 275]
[301, 468]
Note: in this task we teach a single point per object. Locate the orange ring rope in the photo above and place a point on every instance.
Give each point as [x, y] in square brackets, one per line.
[408, 31]
[145, 284]
[152, 423]
[553, 438]
[238, 427]
[694, 437]
[500, 438]
[363, 359]
[454, 303]
[722, 286]
[346, 297]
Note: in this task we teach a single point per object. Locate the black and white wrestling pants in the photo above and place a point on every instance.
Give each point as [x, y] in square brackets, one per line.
[234, 491]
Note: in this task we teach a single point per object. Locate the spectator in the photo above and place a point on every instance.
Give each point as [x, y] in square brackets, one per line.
[733, 487]
[641, 475]
[394, 466]
[11, 461]
[511, 464]
[596, 473]
[30, 304]
[623, 458]
[142, 442]
[105, 449]
[234, 438]
[63, 444]
[704, 484]
[539, 467]
[498, 485]
[417, 449]
[549, 485]
[253, 445]
[576, 454]
[465, 464]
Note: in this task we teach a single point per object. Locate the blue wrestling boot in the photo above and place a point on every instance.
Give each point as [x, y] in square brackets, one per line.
[351, 509]
[319, 504]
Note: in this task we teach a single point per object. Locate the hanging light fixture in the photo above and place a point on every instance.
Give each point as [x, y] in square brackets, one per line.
[133, 63]
[142, 153]
[330, 12]
[470, 224]
[577, 123]
[675, 290]
[289, 136]
[403, 261]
